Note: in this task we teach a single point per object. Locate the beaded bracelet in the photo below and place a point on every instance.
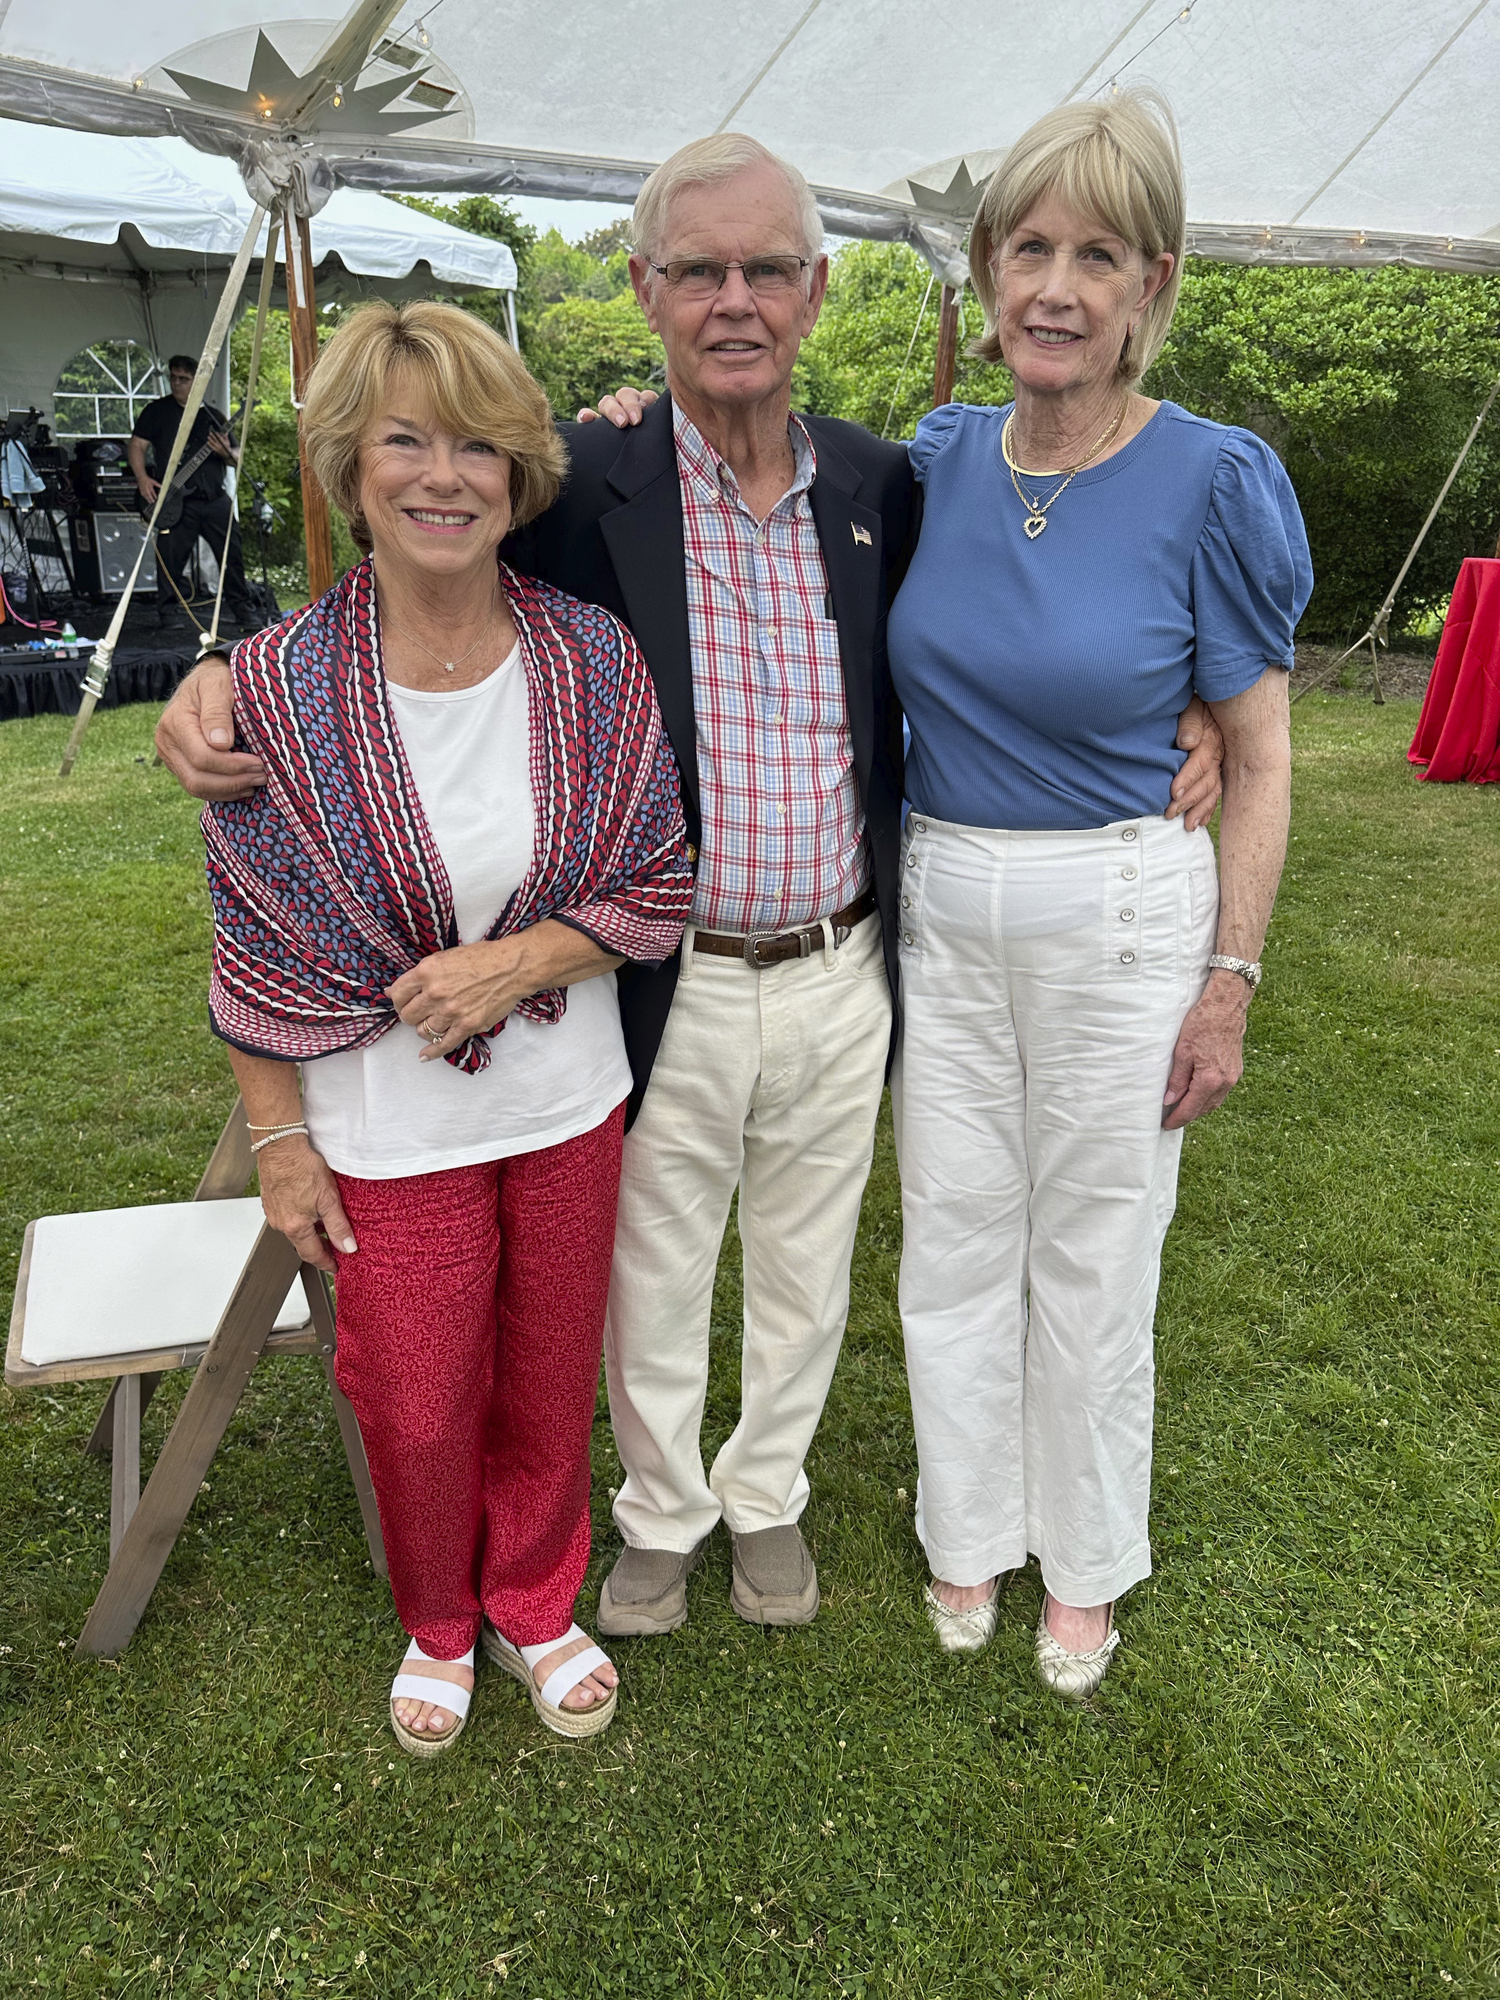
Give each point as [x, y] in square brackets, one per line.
[281, 1132]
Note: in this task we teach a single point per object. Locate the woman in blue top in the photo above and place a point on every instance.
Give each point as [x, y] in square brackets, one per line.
[1075, 977]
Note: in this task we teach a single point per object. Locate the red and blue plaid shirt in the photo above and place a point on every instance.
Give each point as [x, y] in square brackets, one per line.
[783, 828]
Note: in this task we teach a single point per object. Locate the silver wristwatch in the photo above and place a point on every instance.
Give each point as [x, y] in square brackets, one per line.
[1248, 971]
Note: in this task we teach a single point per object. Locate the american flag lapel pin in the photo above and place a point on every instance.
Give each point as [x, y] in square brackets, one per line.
[861, 535]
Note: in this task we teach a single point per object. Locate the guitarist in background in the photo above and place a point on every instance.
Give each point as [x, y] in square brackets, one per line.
[206, 508]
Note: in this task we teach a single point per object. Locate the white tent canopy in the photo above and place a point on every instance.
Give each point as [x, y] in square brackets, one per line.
[113, 239]
[1343, 132]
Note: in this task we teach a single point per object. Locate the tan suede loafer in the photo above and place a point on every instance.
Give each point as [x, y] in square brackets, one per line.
[775, 1579]
[646, 1592]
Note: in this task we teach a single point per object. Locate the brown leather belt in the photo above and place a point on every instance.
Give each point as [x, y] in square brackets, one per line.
[772, 947]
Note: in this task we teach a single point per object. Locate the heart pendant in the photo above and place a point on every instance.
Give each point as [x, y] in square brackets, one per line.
[1034, 525]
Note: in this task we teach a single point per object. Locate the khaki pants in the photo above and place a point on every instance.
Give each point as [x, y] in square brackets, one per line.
[766, 1081]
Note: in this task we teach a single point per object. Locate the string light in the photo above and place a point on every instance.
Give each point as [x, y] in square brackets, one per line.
[1176, 20]
[338, 97]
[419, 28]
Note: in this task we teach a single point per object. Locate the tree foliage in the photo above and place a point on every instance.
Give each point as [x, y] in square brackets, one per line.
[872, 354]
[1366, 384]
[581, 331]
[579, 349]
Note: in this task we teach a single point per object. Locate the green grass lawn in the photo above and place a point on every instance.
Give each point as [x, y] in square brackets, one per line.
[1289, 1784]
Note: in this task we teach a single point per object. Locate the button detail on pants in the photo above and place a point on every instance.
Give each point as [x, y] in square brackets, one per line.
[919, 826]
[1127, 916]
[907, 938]
[1127, 958]
[906, 902]
[1128, 873]
[1129, 833]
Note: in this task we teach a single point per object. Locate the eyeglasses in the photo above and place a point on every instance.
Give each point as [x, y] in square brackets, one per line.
[701, 277]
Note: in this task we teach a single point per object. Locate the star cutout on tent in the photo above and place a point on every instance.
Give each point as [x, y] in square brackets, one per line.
[273, 86]
[957, 201]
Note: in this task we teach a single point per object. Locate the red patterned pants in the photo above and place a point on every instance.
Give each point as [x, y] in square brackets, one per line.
[470, 1322]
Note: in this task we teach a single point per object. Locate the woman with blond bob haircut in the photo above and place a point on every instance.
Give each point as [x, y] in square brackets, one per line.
[1075, 970]
[470, 818]
[473, 381]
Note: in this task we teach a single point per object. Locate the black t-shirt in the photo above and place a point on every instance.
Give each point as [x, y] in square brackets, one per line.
[159, 423]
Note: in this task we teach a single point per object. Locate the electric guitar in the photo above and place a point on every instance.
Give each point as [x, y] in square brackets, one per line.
[171, 512]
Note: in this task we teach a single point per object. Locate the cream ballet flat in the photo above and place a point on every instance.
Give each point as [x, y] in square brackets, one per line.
[1073, 1675]
[962, 1631]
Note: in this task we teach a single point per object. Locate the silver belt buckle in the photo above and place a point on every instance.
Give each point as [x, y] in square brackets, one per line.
[756, 939]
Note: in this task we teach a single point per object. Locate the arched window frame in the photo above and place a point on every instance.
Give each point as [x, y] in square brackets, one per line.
[130, 374]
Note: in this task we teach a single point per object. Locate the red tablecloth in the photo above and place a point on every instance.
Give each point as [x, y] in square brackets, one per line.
[1458, 735]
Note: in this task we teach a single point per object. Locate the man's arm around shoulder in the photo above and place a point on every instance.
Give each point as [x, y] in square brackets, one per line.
[195, 737]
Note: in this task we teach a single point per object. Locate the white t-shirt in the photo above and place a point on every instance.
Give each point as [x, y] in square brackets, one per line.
[380, 1113]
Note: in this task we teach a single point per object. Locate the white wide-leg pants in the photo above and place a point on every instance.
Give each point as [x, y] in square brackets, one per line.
[1045, 978]
[768, 1081]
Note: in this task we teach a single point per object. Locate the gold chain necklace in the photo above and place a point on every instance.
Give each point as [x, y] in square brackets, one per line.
[1036, 508]
[448, 666]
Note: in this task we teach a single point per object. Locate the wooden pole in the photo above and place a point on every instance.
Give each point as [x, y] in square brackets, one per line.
[947, 348]
[303, 309]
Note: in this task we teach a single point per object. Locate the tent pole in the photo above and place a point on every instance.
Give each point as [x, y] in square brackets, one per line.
[97, 677]
[303, 310]
[947, 348]
[208, 641]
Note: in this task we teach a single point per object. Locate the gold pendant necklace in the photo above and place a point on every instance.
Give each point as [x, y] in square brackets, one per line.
[1036, 507]
[448, 666]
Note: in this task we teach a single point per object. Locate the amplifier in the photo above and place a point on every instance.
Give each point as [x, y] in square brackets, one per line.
[105, 547]
[101, 476]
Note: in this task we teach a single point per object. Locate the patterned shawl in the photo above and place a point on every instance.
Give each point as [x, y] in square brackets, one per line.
[327, 885]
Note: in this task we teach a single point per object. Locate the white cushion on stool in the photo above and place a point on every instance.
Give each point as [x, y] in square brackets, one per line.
[128, 1280]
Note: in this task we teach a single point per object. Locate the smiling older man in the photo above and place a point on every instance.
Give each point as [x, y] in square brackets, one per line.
[753, 553]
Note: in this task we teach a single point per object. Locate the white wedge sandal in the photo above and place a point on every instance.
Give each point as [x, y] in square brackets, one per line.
[413, 1685]
[547, 1699]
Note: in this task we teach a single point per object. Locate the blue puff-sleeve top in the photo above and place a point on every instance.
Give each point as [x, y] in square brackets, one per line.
[1042, 679]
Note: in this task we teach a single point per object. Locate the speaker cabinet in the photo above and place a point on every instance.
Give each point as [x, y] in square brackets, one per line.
[105, 547]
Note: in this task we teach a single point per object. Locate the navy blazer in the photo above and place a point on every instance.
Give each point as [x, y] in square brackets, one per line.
[614, 537]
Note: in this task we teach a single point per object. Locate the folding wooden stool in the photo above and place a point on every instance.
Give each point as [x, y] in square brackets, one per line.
[132, 1292]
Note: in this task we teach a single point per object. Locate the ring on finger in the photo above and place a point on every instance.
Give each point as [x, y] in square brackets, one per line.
[432, 1031]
